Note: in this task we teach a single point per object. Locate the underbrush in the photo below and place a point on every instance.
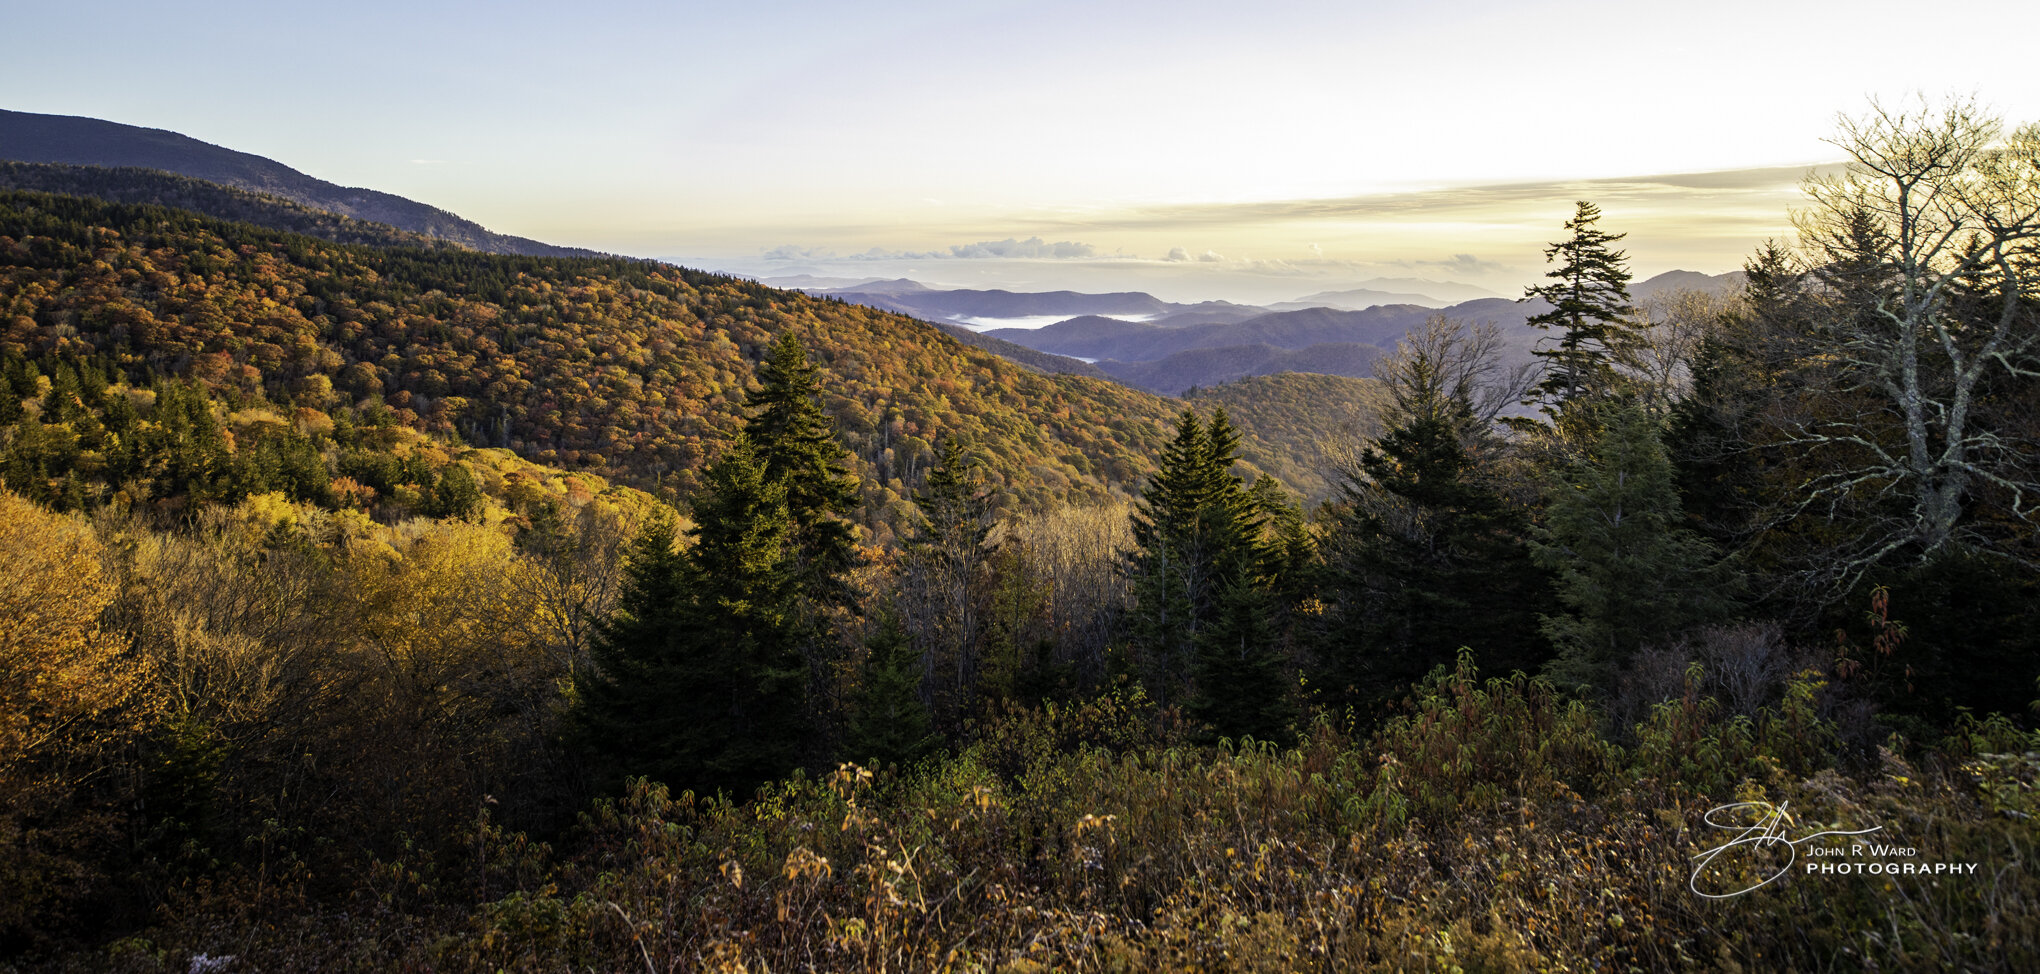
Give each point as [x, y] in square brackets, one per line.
[1493, 827]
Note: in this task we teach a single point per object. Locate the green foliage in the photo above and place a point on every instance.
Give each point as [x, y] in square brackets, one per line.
[796, 444]
[1629, 571]
[1203, 614]
[888, 723]
[701, 683]
[455, 495]
[1424, 557]
[1589, 295]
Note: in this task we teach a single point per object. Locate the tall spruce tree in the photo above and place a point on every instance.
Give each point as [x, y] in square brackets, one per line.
[624, 714]
[1423, 558]
[1589, 294]
[1203, 598]
[699, 675]
[795, 440]
[1629, 572]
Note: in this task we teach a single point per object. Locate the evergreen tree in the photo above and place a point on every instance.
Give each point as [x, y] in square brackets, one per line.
[1589, 295]
[700, 677]
[455, 495]
[62, 403]
[795, 441]
[1629, 572]
[1292, 551]
[625, 713]
[1424, 558]
[1201, 577]
[888, 722]
[1170, 565]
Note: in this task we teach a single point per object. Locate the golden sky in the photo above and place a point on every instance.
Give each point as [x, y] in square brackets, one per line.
[1359, 133]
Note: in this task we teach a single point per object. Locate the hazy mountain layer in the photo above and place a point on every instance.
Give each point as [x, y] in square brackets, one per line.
[1176, 373]
[958, 304]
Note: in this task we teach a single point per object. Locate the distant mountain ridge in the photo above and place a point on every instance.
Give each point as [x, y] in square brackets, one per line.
[1670, 281]
[76, 141]
[1133, 341]
[970, 303]
[1357, 300]
[1174, 374]
[1166, 347]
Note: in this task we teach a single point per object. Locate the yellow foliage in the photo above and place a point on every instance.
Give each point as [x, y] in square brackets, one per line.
[64, 690]
[58, 671]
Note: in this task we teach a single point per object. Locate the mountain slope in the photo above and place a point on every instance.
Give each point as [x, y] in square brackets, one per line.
[629, 369]
[1021, 354]
[158, 188]
[1176, 373]
[1308, 426]
[71, 140]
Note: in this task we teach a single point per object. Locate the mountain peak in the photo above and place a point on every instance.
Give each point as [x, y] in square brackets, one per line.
[79, 141]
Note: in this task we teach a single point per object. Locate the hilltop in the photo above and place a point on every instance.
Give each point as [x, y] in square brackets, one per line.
[76, 141]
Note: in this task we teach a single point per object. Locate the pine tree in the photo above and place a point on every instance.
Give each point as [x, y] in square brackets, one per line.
[1170, 566]
[1628, 571]
[795, 440]
[1204, 604]
[623, 713]
[700, 677]
[744, 604]
[456, 495]
[888, 722]
[1589, 295]
[1424, 558]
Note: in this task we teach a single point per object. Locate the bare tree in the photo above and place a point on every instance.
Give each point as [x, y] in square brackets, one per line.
[1458, 371]
[1670, 329]
[1927, 271]
[1074, 551]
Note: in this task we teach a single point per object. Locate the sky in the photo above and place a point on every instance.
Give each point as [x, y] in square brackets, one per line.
[1201, 150]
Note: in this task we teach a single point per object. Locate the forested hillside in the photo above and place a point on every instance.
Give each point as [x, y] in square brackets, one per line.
[1320, 421]
[620, 367]
[158, 188]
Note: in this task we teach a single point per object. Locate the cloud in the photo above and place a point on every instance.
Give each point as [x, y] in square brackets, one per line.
[1177, 253]
[1766, 189]
[1011, 248]
[1211, 257]
[1463, 264]
[1032, 247]
[793, 252]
